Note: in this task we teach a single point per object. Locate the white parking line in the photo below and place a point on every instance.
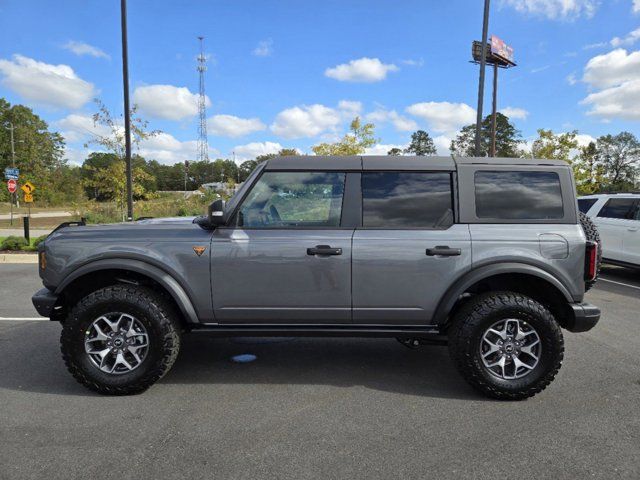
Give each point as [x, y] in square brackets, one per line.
[620, 283]
[30, 319]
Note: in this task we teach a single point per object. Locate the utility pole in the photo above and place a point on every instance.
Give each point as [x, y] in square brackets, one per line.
[494, 110]
[11, 128]
[127, 110]
[483, 61]
[203, 144]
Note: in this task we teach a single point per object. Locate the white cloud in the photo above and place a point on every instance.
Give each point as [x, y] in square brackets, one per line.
[622, 101]
[80, 128]
[350, 108]
[443, 143]
[636, 6]
[612, 68]
[305, 121]
[231, 126]
[629, 39]
[264, 48]
[253, 149]
[167, 149]
[443, 117]
[571, 78]
[401, 123]
[167, 101]
[81, 48]
[514, 112]
[413, 62]
[584, 139]
[383, 148]
[617, 75]
[55, 85]
[555, 9]
[366, 70]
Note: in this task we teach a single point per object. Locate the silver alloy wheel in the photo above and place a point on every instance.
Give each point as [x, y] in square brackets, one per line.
[510, 349]
[116, 343]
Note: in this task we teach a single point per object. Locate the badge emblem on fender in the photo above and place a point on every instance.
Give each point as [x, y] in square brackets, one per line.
[199, 250]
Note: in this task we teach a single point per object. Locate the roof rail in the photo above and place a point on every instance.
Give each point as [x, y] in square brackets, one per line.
[80, 223]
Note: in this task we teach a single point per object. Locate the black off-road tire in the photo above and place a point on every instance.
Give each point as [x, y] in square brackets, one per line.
[591, 232]
[148, 307]
[479, 314]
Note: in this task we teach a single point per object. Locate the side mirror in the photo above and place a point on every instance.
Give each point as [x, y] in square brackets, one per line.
[216, 213]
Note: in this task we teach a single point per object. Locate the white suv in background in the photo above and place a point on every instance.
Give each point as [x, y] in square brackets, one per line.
[617, 217]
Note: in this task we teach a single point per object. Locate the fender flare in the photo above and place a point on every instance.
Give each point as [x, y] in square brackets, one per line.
[163, 278]
[486, 271]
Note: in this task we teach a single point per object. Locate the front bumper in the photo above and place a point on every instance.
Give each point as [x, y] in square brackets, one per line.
[585, 317]
[44, 300]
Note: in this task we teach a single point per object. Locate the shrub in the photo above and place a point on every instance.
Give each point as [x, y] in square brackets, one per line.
[14, 243]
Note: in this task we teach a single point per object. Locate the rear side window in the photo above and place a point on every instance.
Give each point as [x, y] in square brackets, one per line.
[618, 208]
[584, 204]
[407, 200]
[516, 195]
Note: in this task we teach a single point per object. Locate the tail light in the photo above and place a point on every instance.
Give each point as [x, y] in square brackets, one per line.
[591, 261]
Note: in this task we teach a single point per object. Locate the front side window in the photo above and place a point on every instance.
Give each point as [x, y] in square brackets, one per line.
[294, 199]
[618, 208]
[406, 200]
[518, 195]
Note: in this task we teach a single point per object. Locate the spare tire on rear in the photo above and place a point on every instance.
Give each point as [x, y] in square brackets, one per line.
[591, 232]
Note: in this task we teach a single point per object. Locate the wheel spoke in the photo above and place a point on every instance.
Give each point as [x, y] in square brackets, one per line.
[510, 348]
[107, 343]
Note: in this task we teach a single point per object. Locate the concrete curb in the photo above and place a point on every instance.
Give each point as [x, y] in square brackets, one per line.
[18, 258]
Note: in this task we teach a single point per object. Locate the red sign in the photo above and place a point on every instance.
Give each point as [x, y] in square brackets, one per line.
[12, 186]
[501, 49]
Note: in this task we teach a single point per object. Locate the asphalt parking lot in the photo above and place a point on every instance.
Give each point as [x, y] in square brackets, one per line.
[320, 408]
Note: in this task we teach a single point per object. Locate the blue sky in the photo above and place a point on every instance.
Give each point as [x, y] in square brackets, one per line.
[293, 73]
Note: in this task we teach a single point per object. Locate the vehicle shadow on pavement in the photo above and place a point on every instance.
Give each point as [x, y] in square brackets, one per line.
[31, 361]
[380, 364]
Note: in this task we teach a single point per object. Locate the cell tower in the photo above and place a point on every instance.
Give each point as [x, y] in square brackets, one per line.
[203, 145]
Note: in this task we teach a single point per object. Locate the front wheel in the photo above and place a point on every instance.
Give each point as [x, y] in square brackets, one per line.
[120, 340]
[506, 345]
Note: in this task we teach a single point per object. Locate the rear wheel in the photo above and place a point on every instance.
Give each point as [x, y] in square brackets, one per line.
[506, 345]
[592, 234]
[120, 340]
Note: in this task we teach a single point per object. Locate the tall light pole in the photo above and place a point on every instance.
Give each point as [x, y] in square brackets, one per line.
[127, 111]
[483, 61]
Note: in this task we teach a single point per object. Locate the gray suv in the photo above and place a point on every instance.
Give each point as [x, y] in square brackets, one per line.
[489, 256]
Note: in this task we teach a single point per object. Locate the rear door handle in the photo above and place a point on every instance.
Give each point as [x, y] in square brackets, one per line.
[324, 250]
[443, 251]
[632, 229]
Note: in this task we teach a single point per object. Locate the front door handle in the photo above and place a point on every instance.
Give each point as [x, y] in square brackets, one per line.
[631, 229]
[443, 251]
[324, 250]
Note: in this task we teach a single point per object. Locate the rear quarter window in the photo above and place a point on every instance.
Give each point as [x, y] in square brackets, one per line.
[584, 204]
[518, 195]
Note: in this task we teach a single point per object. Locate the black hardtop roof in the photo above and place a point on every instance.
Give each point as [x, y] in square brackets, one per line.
[396, 163]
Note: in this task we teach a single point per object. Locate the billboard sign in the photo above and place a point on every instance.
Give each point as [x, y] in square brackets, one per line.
[502, 50]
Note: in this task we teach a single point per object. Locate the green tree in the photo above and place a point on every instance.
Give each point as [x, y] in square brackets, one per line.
[587, 170]
[421, 144]
[508, 139]
[356, 142]
[395, 151]
[283, 152]
[619, 156]
[554, 147]
[39, 155]
[111, 182]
